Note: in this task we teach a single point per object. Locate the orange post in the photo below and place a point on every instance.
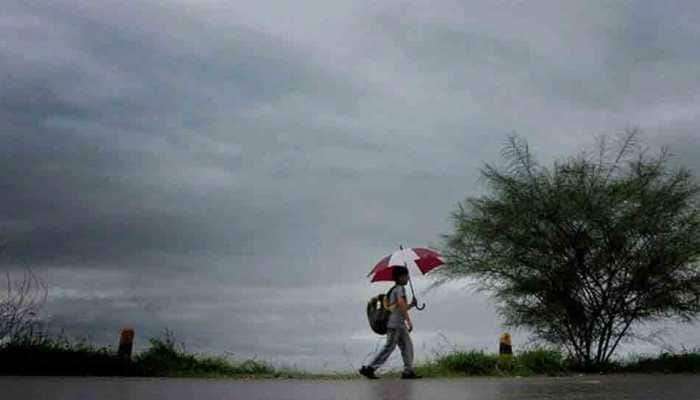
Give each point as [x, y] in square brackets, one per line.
[126, 343]
[505, 346]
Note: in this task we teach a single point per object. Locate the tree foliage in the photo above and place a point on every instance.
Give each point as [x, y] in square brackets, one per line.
[581, 251]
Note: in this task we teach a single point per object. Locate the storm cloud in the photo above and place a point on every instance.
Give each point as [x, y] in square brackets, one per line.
[232, 170]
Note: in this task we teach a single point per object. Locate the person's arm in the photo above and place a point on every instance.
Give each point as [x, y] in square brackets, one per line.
[403, 308]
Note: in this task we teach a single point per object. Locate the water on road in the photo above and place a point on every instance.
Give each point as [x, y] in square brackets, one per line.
[638, 387]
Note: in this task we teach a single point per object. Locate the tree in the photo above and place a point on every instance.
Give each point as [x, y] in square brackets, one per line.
[582, 251]
[20, 302]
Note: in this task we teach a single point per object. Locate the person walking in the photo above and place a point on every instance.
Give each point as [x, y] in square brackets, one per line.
[399, 327]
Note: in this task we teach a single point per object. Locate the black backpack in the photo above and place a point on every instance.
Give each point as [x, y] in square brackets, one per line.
[378, 313]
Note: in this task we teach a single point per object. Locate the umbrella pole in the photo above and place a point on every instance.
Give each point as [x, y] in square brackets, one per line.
[410, 283]
[413, 293]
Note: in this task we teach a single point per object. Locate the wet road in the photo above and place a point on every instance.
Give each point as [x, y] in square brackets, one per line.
[639, 387]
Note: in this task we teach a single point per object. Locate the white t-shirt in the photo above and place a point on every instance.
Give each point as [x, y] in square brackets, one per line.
[396, 319]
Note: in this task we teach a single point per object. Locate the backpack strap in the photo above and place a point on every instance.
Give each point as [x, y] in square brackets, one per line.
[387, 305]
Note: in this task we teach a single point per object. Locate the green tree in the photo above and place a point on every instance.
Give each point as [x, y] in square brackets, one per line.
[582, 251]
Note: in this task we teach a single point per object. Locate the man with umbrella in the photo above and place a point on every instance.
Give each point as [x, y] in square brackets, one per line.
[399, 324]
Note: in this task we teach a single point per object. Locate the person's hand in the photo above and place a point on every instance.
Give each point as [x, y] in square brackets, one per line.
[409, 325]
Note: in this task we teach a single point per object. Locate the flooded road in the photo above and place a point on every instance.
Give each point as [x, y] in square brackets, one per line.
[638, 387]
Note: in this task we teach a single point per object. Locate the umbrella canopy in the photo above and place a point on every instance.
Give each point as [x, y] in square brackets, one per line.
[425, 259]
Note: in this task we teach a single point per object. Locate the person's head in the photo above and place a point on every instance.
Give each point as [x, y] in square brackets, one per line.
[400, 275]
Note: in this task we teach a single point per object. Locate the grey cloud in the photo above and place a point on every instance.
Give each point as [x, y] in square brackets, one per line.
[128, 170]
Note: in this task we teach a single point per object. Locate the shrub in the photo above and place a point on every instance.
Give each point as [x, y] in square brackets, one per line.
[469, 363]
[542, 361]
[166, 358]
[44, 355]
[686, 362]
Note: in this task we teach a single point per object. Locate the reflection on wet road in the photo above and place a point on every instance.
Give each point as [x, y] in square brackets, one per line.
[638, 387]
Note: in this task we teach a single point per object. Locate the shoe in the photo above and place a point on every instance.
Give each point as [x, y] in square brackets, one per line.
[410, 375]
[368, 372]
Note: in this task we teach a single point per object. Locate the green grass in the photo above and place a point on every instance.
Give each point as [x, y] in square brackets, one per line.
[52, 356]
[542, 361]
[668, 363]
[550, 362]
[39, 354]
[166, 358]
[468, 363]
[478, 363]
[43, 355]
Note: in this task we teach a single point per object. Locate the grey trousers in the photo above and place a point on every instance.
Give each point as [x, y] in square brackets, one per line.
[400, 337]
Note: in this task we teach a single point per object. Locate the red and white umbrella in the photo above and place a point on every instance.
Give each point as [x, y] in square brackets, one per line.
[425, 259]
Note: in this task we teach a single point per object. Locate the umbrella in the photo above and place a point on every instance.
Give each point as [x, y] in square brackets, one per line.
[425, 259]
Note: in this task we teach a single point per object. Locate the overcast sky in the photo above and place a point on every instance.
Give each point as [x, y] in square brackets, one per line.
[232, 169]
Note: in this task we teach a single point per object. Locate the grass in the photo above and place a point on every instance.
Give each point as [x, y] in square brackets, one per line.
[668, 363]
[166, 358]
[51, 356]
[38, 355]
[551, 362]
[478, 363]
[43, 355]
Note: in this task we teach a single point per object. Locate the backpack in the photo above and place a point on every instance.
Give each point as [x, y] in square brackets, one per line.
[378, 312]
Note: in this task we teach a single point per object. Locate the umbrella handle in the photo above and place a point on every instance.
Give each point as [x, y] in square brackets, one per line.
[421, 307]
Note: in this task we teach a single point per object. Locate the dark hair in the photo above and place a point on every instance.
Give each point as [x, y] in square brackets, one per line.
[398, 271]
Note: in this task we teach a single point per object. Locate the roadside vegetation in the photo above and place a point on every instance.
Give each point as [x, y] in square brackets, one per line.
[59, 356]
[551, 362]
[669, 363]
[46, 355]
[479, 363]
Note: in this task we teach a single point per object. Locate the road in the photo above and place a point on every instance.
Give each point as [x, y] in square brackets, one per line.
[638, 387]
